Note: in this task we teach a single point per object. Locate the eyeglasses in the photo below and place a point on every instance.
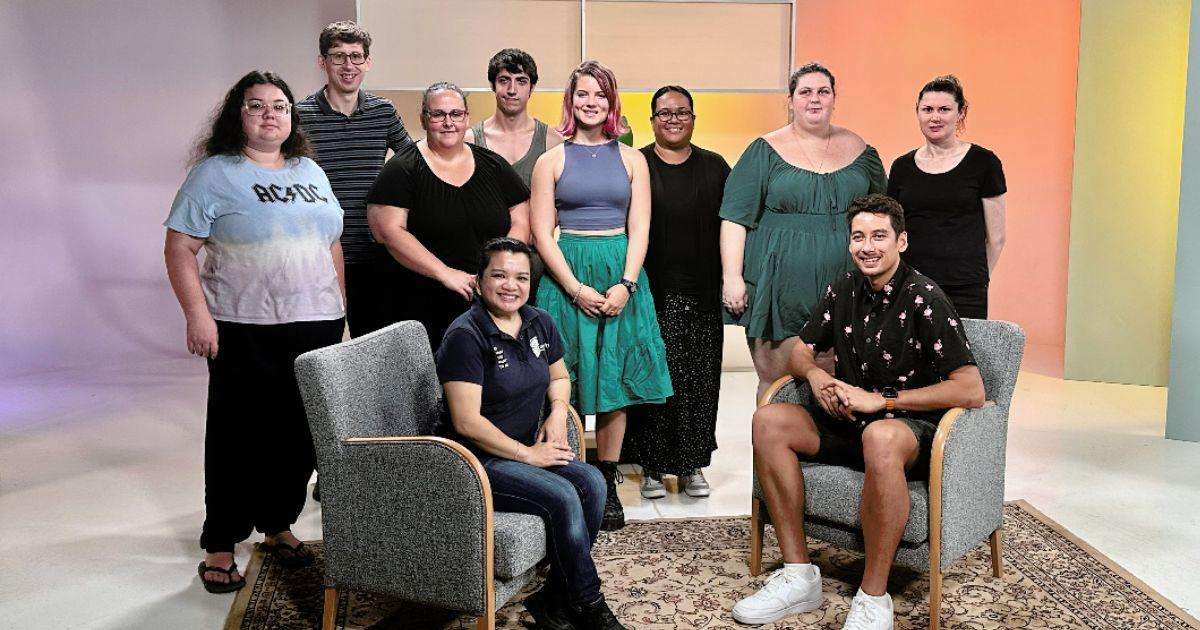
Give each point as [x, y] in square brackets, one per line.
[456, 115]
[339, 58]
[259, 108]
[682, 115]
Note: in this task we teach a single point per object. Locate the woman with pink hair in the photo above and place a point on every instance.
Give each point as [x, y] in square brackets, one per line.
[597, 192]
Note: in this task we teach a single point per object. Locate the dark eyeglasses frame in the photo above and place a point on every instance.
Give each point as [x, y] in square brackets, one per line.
[333, 58]
[665, 116]
[456, 115]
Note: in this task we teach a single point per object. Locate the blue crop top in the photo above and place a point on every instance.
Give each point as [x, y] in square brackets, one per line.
[593, 191]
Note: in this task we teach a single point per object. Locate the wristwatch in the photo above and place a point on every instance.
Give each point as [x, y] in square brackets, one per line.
[630, 286]
[889, 398]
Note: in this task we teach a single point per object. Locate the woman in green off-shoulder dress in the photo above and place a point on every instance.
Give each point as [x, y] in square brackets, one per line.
[784, 235]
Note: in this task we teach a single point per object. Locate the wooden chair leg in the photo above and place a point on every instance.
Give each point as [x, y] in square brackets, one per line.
[756, 536]
[487, 621]
[998, 552]
[329, 615]
[935, 600]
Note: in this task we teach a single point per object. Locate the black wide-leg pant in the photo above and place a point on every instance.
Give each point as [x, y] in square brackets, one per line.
[258, 452]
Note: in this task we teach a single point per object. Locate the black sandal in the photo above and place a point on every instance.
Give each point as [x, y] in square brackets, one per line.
[213, 586]
[287, 556]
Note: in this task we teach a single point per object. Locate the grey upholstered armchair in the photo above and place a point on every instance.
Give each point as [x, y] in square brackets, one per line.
[406, 513]
[963, 502]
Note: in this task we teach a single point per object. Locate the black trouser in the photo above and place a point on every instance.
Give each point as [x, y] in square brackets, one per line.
[970, 300]
[366, 303]
[258, 452]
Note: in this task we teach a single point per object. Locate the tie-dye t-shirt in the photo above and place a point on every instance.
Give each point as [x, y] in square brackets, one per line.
[267, 235]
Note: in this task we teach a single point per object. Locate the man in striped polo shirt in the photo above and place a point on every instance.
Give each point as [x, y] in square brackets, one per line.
[351, 132]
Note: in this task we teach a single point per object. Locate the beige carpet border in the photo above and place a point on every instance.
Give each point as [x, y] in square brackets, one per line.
[240, 603]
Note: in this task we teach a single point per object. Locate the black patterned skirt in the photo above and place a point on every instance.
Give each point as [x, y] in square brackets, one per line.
[679, 436]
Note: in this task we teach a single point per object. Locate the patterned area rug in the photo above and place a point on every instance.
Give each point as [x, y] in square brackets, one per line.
[689, 573]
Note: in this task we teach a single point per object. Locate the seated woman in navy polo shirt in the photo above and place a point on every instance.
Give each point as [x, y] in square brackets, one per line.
[499, 363]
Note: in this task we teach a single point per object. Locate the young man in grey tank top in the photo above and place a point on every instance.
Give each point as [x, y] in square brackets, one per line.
[511, 131]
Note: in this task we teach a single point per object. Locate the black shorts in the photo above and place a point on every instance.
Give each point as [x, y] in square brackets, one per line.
[841, 441]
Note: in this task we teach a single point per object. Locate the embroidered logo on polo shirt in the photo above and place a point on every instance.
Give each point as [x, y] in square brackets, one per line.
[501, 361]
[535, 346]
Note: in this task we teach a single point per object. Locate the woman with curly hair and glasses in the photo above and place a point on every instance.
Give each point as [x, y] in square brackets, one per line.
[271, 289]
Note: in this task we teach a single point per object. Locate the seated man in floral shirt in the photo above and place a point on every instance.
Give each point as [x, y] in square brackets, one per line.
[902, 360]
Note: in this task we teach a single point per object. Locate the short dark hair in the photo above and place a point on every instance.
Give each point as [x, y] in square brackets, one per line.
[878, 203]
[343, 32]
[810, 68]
[502, 244]
[949, 84]
[225, 135]
[515, 61]
[670, 88]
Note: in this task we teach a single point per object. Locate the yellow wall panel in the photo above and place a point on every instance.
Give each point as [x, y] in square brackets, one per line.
[1125, 193]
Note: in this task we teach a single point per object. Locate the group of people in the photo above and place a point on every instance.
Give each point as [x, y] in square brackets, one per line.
[557, 266]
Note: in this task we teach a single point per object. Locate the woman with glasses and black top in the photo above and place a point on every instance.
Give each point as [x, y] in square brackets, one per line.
[433, 207]
[271, 289]
[683, 265]
[953, 197]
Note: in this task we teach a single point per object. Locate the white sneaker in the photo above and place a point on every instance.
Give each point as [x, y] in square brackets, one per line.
[790, 591]
[652, 488]
[697, 485]
[868, 614]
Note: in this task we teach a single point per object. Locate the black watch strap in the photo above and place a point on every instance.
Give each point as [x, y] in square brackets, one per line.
[631, 286]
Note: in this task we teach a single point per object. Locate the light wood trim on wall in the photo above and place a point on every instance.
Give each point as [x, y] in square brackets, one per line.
[485, 487]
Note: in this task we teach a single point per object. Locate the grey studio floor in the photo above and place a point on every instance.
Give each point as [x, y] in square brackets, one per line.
[101, 489]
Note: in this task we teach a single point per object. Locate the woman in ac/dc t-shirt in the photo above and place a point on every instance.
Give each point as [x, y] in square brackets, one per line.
[953, 197]
[270, 289]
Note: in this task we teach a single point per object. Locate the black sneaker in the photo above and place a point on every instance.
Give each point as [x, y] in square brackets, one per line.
[614, 514]
[549, 611]
[596, 616]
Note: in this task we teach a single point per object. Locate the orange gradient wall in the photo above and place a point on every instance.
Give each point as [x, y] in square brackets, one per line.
[1017, 60]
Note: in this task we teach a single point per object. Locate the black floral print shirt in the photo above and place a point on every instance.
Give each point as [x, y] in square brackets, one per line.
[906, 336]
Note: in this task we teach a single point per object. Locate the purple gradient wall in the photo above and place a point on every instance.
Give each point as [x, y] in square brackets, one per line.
[101, 102]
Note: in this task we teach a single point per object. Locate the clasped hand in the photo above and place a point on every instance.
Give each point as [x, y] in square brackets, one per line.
[841, 399]
[608, 304]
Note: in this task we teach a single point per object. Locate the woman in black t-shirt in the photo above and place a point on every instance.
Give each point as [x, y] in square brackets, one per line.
[953, 197]
[433, 206]
[683, 265]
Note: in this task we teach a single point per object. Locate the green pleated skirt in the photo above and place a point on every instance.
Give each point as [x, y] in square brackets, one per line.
[617, 361]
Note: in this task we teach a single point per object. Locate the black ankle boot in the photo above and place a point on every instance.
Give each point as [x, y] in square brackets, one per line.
[596, 616]
[549, 610]
[614, 514]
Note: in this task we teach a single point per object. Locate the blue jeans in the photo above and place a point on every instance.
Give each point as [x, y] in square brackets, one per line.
[570, 501]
